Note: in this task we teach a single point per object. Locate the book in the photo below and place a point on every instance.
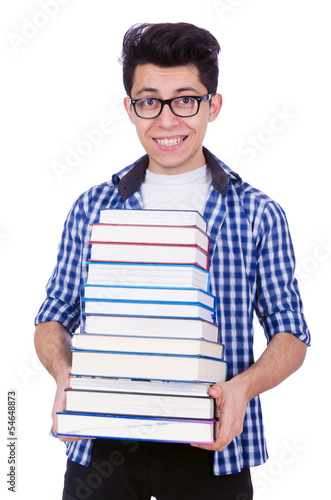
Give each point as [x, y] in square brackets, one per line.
[162, 294]
[136, 385]
[161, 345]
[156, 254]
[153, 217]
[90, 425]
[157, 235]
[150, 366]
[151, 327]
[126, 403]
[145, 308]
[119, 273]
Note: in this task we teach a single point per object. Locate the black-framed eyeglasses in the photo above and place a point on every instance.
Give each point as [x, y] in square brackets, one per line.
[184, 106]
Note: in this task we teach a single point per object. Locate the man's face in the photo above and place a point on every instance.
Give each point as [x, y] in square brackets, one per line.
[182, 150]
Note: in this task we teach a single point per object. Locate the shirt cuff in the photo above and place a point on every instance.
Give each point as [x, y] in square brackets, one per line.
[51, 433]
[54, 309]
[287, 321]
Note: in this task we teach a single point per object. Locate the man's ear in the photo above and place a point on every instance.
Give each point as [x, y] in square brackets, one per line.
[215, 107]
[128, 108]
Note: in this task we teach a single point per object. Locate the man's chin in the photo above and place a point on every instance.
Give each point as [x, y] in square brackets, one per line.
[171, 164]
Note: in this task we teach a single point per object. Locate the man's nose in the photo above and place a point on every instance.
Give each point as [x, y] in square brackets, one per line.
[167, 118]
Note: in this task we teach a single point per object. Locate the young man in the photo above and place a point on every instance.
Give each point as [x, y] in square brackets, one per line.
[170, 76]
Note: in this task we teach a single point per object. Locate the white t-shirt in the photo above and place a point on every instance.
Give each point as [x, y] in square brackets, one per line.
[186, 191]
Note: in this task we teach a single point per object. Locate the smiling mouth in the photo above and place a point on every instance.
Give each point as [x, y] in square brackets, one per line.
[170, 142]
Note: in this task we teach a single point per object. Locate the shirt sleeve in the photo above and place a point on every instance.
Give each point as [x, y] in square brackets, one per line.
[278, 303]
[62, 301]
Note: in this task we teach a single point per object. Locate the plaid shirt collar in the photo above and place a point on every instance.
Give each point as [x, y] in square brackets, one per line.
[130, 183]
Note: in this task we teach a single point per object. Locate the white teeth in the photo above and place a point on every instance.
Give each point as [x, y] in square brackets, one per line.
[169, 142]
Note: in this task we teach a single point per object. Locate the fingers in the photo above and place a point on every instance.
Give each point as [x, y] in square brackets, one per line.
[60, 406]
[232, 408]
[225, 436]
[69, 439]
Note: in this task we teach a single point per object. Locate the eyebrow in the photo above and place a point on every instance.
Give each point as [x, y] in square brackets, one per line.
[188, 89]
[147, 89]
[155, 91]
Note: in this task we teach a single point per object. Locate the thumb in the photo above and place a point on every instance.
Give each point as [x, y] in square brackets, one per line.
[214, 391]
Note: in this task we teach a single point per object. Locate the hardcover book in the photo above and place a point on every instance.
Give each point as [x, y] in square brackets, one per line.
[151, 327]
[137, 274]
[153, 217]
[146, 308]
[138, 428]
[138, 386]
[162, 345]
[148, 366]
[155, 254]
[149, 294]
[126, 403]
[157, 235]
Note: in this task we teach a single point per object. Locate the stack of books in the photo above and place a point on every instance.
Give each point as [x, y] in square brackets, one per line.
[149, 351]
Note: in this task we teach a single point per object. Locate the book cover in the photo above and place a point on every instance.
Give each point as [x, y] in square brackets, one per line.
[137, 428]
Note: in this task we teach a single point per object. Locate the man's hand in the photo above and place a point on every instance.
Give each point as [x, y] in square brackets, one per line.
[283, 356]
[59, 406]
[53, 343]
[231, 401]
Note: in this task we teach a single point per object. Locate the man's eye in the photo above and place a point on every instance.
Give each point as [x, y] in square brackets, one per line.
[186, 101]
[149, 102]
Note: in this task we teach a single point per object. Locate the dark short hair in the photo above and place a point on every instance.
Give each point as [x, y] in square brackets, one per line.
[170, 44]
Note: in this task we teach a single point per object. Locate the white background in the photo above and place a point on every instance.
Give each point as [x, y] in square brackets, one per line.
[60, 77]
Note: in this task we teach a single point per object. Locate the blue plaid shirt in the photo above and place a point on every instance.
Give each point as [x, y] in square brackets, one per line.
[251, 269]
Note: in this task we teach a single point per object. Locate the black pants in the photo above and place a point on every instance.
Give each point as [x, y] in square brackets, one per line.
[137, 470]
